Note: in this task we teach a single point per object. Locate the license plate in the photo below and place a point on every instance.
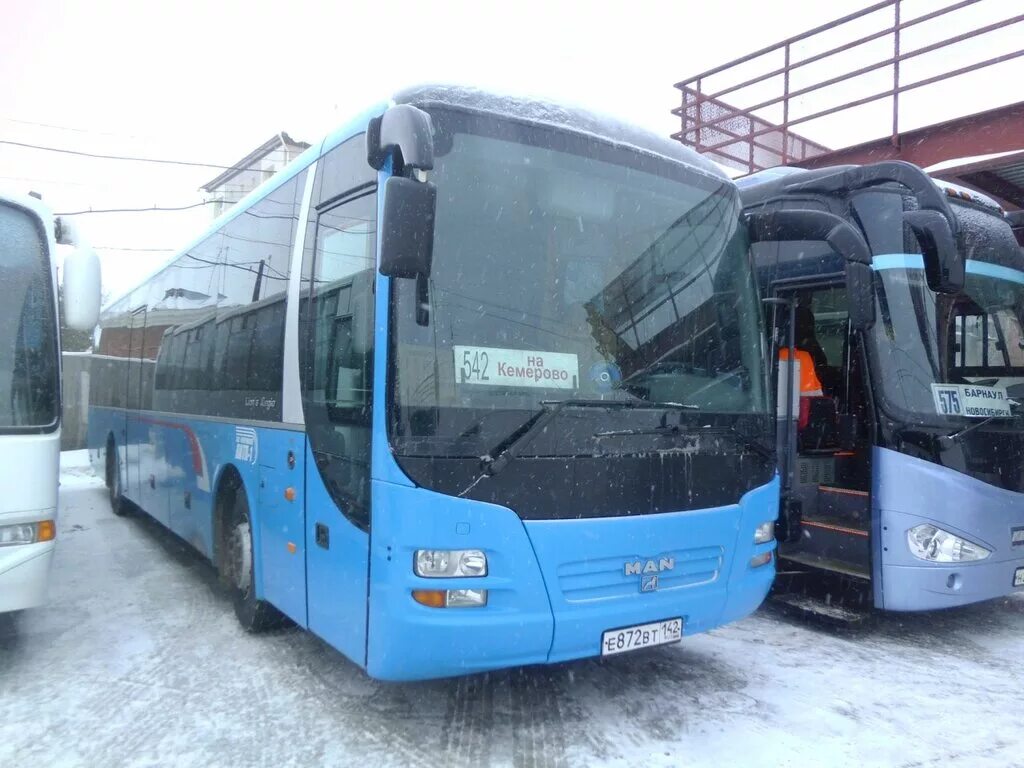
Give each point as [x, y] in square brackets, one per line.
[641, 636]
[1018, 578]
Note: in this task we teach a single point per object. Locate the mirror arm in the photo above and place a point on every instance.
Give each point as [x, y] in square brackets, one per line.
[405, 133]
[791, 225]
[851, 178]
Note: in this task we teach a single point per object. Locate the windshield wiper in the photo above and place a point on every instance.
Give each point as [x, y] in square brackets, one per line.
[503, 452]
[953, 436]
[664, 428]
[742, 438]
[752, 443]
[498, 457]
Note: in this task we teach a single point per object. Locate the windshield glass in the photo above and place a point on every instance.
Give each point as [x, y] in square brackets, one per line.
[28, 350]
[975, 337]
[566, 268]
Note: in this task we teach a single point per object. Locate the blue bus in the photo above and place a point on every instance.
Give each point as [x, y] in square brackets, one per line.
[904, 489]
[475, 382]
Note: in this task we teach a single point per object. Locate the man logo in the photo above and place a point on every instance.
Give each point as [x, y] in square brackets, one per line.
[648, 571]
[644, 567]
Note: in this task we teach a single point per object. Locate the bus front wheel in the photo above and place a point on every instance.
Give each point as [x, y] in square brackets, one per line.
[236, 566]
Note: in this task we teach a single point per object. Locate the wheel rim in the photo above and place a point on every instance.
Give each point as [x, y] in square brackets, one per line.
[240, 556]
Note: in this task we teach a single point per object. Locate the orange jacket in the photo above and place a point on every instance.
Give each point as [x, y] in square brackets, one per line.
[810, 385]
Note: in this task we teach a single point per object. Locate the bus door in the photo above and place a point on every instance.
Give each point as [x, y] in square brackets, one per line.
[154, 491]
[135, 434]
[830, 472]
[336, 330]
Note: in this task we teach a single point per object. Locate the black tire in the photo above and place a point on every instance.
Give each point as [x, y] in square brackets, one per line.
[118, 505]
[235, 565]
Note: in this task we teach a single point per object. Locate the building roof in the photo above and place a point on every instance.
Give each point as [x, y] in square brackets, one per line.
[274, 142]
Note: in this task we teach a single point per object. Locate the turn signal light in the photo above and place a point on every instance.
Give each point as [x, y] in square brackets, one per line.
[432, 598]
[46, 530]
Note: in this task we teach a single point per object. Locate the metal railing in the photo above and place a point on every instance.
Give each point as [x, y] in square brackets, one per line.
[736, 135]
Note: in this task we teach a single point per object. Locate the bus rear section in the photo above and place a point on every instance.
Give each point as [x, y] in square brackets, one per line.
[480, 384]
[906, 476]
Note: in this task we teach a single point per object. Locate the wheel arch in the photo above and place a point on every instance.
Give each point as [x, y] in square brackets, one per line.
[226, 484]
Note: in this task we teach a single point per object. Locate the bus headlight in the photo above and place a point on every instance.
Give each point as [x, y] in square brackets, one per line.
[935, 545]
[448, 563]
[765, 532]
[27, 533]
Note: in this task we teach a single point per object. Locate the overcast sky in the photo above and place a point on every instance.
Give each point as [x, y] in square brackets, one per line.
[208, 81]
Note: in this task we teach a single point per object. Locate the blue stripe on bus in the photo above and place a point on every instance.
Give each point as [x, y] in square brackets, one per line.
[994, 270]
[897, 261]
[973, 266]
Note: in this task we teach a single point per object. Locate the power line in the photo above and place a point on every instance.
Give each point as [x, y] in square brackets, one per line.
[141, 250]
[32, 180]
[89, 131]
[160, 161]
[141, 210]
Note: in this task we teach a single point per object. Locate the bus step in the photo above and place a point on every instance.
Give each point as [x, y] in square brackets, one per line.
[815, 609]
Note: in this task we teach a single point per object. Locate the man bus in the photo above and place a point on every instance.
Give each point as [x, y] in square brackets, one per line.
[907, 485]
[30, 412]
[475, 382]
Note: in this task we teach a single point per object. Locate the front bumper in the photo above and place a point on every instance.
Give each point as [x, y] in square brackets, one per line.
[932, 586]
[907, 492]
[553, 586]
[24, 575]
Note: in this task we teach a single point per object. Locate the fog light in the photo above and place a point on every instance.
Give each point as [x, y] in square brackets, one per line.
[927, 542]
[765, 532]
[24, 533]
[448, 563]
[466, 598]
[763, 559]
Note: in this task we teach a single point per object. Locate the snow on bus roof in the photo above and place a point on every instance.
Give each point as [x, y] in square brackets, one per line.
[560, 115]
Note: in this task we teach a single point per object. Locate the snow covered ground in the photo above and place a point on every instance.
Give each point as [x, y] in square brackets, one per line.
[138, 661]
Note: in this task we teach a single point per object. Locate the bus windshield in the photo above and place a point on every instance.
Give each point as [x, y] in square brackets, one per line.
[975, 337]
[568, 268]
[28, 333]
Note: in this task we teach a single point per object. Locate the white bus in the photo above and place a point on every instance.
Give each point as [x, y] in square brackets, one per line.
[30, 392]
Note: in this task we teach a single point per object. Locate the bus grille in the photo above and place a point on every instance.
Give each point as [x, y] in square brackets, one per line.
[586, 580]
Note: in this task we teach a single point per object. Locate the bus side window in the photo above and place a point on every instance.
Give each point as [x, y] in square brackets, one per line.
[344, 275]
[338, 376]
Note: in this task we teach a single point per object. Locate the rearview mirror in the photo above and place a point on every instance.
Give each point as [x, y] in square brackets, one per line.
[82, 289]
[841, 237]
[943, 262]
[407, 234]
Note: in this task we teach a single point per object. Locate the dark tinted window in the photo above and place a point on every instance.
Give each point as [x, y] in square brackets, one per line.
[28, 333]
[224, 302]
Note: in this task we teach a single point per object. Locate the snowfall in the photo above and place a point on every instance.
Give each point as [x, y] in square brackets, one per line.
[137, 660]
